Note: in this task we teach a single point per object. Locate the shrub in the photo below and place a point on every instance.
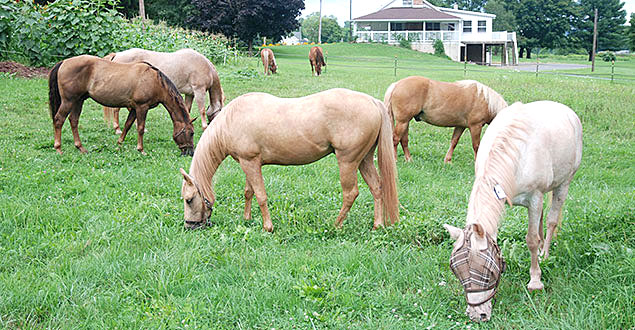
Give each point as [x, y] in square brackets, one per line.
[403, 42]
[439, 48]
[608, 56]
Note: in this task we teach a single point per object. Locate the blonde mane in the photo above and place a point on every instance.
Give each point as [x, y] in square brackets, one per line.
[499, 168]
[495, 101]
[209, 154]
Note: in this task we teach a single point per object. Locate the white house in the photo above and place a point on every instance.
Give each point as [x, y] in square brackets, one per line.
[466, 35]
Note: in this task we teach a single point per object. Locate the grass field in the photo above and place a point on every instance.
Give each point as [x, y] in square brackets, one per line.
[97, 240]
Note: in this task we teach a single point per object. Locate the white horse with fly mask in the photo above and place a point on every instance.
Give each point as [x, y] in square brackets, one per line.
[528, 150]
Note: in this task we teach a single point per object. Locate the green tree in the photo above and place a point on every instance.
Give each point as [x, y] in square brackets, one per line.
[544, 23]
[331, 31]
[505, 18]
[471, 5]
[173, 12]
[631, 33]
[611, 19]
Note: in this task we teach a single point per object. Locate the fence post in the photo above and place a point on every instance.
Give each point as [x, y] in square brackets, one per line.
[326, 58]
[395, 65]
[537, 63]
[612, 69]
[464, 68]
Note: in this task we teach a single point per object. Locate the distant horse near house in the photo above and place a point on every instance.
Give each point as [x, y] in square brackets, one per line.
[191, 72]
[462, 104]
[136, 86]
[316, 58]
[257, 129]
[268, 61]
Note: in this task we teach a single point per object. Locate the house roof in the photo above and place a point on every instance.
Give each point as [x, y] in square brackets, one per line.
[407, 13]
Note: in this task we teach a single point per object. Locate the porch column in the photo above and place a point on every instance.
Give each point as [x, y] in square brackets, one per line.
[389, 33]
[483, 59]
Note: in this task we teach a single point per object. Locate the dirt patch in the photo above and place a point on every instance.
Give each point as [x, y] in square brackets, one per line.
[23, 71]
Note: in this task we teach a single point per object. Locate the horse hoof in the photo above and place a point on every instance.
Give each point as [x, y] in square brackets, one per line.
[118, 131]
[533, 286]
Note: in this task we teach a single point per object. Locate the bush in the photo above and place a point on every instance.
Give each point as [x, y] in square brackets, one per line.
[403, 42]
[608, 56]
[43, 35]
[439, 48]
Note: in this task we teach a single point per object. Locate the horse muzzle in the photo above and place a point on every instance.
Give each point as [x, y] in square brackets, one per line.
[192, 225]
[187, 151]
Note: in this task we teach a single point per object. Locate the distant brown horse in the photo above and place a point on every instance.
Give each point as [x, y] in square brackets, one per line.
[268, 61]
[257, 129]
[191, 72]
[138, 87]
[316, 58]
[462, 104]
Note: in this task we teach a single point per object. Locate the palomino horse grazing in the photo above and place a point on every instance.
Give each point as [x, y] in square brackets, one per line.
[316, 58]
[191, 72]
[268, 61]
[528, 150]
[462, 104]
[137, 86]
[258, 129]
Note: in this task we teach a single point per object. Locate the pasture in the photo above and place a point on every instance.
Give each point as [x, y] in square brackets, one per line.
[97, 240]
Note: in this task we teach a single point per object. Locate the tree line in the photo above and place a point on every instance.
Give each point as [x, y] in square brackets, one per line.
[566, 25]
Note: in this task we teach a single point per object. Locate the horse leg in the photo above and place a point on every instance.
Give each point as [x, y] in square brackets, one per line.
[132, 115]
[253, 172]
[404, 144]
[188, 102]
[456, 135]
[534, 212]
[74, 120]
[348, 180]
[142, 112]
[199, 97]
[115, 120]
[371, 177]
[249, 194]
[312, 66]
[401, 129]
[475, 132]
[58, 122]
[555, 213]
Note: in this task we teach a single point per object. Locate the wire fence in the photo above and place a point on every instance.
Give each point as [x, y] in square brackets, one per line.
[397, 64]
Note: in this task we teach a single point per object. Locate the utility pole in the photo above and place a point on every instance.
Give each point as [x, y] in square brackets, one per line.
[350, 21]
[142, 10]
[595, 38]
[320, 27]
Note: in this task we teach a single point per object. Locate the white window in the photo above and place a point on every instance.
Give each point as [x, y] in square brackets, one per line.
[482, 26]
[467, 26]
[407, 2]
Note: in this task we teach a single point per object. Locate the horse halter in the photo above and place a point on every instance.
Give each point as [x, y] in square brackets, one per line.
[479, 270]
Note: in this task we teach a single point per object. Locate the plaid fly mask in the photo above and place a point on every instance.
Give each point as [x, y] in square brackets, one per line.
[478, 270]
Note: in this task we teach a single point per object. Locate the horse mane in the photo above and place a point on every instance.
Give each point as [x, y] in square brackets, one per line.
[171, 88]
[499, 168]
[209, 153]
[319, 56]
[495, 102]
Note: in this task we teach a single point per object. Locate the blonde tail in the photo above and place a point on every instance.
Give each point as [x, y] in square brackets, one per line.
[387, 167]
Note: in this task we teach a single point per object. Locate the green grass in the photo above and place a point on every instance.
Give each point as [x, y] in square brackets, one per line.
[97, 240]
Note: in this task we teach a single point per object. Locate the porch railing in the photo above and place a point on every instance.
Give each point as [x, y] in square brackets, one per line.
[413, 36]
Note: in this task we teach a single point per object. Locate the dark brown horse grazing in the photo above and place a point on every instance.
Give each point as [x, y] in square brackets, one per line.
[257, 129]
[462, 104]
[138, 87]
[268, 61]
[316, 57]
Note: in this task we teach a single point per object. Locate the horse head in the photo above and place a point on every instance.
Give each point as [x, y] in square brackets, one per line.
[197, 208]
[184, 138]
[477, 262]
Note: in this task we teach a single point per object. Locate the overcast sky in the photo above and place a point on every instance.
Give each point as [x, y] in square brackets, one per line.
[341, 9]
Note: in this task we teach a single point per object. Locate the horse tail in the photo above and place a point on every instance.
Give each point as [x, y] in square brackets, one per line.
[55, 100]
[387, 166]
[215, 92]
[388, 99]
[320, 57]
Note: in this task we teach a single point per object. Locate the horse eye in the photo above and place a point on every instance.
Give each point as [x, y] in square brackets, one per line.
[189, 201]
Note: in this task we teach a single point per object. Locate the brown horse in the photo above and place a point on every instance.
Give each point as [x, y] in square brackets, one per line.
[316, 58]
[191, 72]
[258, 129]
[138, 87]
[462, 104]
[268, 61]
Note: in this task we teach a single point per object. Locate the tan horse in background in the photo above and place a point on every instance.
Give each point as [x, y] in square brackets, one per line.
[462, 104]
[137, 86]
[257, 129]
[316, 58]
[527, 151]
[268, 61]
[191, 72]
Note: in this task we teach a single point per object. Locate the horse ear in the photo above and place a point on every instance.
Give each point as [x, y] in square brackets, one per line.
[188, 179]
[454, 231]
[478, 230]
